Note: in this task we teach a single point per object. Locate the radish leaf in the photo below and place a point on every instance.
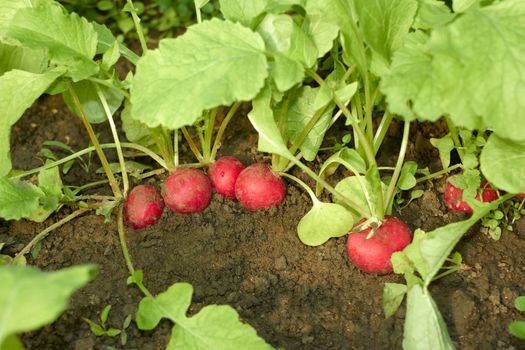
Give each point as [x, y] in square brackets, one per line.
[22, 58]
[502, 162]
[393, 295]
[214, 63]
[213, 327]
[424, 325]
[30, 298]
[69, 39]
[324, 221]
[18, 91]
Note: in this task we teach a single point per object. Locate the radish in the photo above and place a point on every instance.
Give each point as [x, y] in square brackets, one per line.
[187, 191]
[373, 255]
[223, 175]
[143, 207]
[259, 187]
[453, 196]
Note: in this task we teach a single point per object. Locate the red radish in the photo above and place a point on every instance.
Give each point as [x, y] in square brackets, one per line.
[453, 196]
[143, 207]
[259, 187]
[187, 191]
[223, 175]
[373, 255]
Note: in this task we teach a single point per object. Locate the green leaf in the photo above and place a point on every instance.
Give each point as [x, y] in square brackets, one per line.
[324, 221]
[424, 325]
[407, 179]
[354, 162]
[69, 39]
[12, 342]
[18, 199]
[243, 11]
[261, 117]
[483, 47]
[322, 32]
[393, 295]
[463, 5]
[360, 190]
[445, 145]
[87, 94]
[106, 40]
[519, 303]
[301, 110]
[214, 63]
[30, 299]
[111, 56]
[385, 23]
[95, 328]
[113, 332]
[502, 162]
[432, 14]
[18, 91]
[517, 329]
[286, 72]
[439, 243]
[9, 9]
[50, 182]
[215, 326]
[105, 314]
[410, 86]
[22, 58]
[135, 131]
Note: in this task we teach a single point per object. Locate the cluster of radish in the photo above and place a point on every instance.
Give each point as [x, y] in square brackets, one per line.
[372, 252]
[189, 190]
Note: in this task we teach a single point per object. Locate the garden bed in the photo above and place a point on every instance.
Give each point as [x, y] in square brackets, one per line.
[295, 296]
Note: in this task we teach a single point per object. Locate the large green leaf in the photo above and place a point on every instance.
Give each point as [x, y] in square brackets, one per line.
[22, 58]
[243, 11]
[385, 23]
[9, 9]
[18, 91]
[410, 86]
[321, 31]
[30, 299]
[301, 110]
[431, 14]
[261, 117]
[502, 162]
[88, 97]
[484, 47]
[18, 199]
[424, 325]
[214, 327]
[324, 221]
[214, 63]
[70, 40]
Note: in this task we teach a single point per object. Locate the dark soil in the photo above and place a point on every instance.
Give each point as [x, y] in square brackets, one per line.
[295, 296]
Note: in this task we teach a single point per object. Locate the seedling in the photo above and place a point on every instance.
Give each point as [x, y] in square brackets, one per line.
[100, 329]
[517, 328]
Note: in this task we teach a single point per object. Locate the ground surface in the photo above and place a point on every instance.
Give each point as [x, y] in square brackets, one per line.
[295, 296]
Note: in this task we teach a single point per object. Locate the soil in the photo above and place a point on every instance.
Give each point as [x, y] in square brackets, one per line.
[295, 296]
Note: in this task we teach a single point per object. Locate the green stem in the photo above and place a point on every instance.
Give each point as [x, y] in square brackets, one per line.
[210, 125]
[192, 144]
[389, 199]
[89, 185]
[352, 206]
[439, 173]
[303, 185]
[138, 27]
[176, 148]
[197, 11]
[304, 133]
[222, 129]
[455, 138]
[382, 130]
[125, 181]
[43, 234]
[94, 140]
[125, 252]
[91, 149]
[163, 142]
[109, 85]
